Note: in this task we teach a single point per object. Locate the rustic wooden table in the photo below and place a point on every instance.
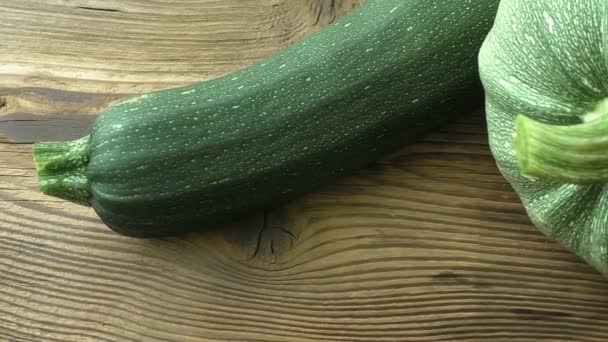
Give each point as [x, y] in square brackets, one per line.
[429, 244]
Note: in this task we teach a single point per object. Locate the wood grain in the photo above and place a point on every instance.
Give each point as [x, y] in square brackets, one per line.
[428, 244]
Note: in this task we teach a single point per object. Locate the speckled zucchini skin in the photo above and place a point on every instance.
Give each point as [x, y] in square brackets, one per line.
[183, 159]
[547, 60]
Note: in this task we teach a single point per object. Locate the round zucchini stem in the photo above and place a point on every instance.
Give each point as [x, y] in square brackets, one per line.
[61, 169]
[576, 154]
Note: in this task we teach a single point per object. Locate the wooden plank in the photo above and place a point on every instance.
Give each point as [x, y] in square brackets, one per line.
[428, 244]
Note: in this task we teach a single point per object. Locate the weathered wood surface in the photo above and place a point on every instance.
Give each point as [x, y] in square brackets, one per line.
[429, 244]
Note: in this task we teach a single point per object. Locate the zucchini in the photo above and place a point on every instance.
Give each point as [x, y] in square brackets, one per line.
[181, 159]
[545, 73]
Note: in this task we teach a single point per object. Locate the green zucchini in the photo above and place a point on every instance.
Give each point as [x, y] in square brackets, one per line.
[181, 159]
[544, 68]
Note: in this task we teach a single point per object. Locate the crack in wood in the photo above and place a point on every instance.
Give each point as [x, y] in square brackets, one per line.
[292, 235]
[99, 9]
[451, 278]
[259, 239]
[14, 142]
[22, 120]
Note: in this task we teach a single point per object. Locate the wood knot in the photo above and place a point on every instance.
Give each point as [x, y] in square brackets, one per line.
[264, 238]
[3, 103]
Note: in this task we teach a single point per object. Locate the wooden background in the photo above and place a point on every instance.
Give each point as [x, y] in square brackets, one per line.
[429, 244]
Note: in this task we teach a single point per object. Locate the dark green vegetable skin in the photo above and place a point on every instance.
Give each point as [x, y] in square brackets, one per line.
[182, 159]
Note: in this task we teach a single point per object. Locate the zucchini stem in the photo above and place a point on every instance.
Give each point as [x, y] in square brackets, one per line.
[61, 169]
[576, 154]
